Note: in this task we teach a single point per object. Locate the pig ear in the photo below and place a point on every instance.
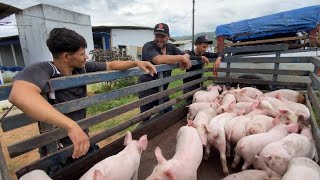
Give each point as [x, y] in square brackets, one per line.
[190, 123]
[170, 174]
[143, 142]
[293, 127]
[206, 127]
[159, 155]
[255, 104]
[276, 121]
[128, 138]
[232, 105]
[283, 111]
[97, 175]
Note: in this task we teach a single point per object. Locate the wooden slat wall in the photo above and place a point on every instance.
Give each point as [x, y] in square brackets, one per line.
[257, 48]
[4, 172]
[24, 146]
[67, 151]
[20, 120]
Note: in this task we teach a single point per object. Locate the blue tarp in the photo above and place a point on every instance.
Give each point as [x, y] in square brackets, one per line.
[303, 19]
[12, 69]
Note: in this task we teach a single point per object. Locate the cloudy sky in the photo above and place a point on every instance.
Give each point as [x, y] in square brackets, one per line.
[176, 13]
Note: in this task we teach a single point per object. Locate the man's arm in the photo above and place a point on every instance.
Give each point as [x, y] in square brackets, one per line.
[145, 66]
[26, 96]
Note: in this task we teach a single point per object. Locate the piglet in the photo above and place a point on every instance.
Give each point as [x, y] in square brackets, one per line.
[207, 96]
[252, 145]
[185, 162]
[262, 172]
[289, 94]
[217, 138]
[123, 165]
[227, 103]
[278, 154]
[194, 108]
[259, 124]
[201, 121]
[302, 168]
[35, 174]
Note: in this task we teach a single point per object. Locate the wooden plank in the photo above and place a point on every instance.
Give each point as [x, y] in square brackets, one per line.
[20, 120]
[315, 79]
[313, 120]
[267, 41]
[314, 100]
[257, 81]
[276, 67]
[266, 71]
[80, 167]
[316, 61]
[34, 142]
[267, 60]
[257, 48]
[67, 151]
[90, 78]
[4, 171]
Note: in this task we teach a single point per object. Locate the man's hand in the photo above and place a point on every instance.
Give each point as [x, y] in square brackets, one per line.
[204, 60]
[185, 62]
[217, 63]
[79, 139]
[147, 67]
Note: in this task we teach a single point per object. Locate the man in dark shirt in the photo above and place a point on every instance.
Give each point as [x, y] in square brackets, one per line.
[159, 51]
[69, 58]
[202, 43]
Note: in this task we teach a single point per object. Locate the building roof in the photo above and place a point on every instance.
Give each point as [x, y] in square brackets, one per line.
[119, 27]
[182, 42]
[7, 10]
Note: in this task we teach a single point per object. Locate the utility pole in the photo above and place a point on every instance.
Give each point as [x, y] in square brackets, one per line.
[192, 25]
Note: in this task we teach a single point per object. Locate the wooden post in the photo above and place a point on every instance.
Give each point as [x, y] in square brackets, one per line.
[4, 172]
[276, 67]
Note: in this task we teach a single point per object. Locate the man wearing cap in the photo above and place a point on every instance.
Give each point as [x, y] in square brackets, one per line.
[159, 51]
[202, 43]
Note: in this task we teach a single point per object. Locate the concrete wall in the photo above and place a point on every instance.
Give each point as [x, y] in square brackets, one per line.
[35, 24]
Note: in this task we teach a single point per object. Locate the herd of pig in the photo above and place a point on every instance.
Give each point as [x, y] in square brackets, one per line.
[270, 131]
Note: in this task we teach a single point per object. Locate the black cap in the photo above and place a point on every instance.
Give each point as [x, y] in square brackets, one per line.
[161, 28]
[203, 39]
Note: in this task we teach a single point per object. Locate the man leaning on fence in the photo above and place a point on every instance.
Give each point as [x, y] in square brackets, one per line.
[69, 58]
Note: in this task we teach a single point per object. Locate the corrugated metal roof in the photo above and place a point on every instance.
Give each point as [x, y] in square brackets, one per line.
[7, 10]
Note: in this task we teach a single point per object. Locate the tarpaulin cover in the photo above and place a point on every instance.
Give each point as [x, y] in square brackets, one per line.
[303, 19]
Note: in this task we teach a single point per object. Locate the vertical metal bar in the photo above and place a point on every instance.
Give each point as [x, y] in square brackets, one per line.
[192, 46]
[228, 66]
[276, 67]
[14, 55]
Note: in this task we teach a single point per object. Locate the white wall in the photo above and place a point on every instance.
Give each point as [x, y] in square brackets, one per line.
[35, 24]
[131, 37]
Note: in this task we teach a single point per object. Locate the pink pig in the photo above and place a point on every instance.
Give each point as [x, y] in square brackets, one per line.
[288, 94]
[259, 124]
[123, 165]
[262, 172]
[252, 145]
[227, 103]
[201, 121]
[185, 162]
[302, 168]
[236, 127]
[194, 108]
[278, 154]
[207, 96]
[216, 136]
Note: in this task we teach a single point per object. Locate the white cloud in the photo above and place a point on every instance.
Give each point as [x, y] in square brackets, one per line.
[177, 13]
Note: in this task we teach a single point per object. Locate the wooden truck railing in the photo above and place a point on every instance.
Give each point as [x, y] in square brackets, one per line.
[154, 127]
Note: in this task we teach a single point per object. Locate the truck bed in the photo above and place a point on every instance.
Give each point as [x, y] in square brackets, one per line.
[208, 170]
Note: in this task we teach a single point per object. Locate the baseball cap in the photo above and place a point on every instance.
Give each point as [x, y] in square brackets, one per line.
[203, 39]
[161, 28]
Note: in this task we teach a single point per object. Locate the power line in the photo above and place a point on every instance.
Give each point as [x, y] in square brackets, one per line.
[181, 18]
